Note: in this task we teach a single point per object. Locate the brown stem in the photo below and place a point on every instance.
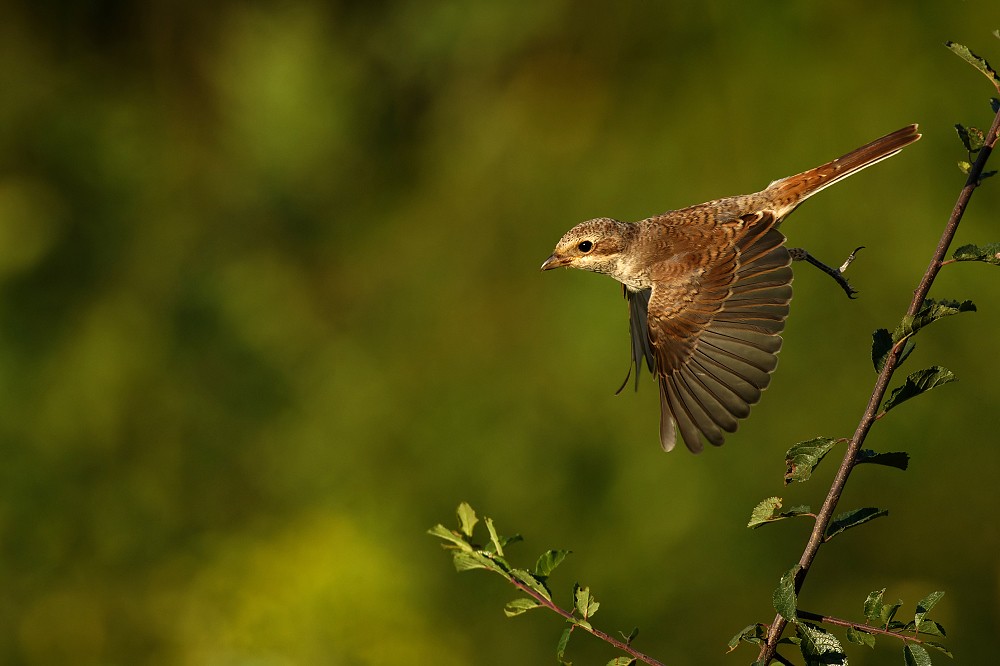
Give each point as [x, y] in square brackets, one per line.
[607, 638]
[867, 628]
[767, 652]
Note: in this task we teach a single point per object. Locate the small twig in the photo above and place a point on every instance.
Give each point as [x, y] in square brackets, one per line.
[816, 538]
[551, 605]
[867, 628]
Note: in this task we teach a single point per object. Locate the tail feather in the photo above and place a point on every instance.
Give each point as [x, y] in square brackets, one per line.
[792, 191]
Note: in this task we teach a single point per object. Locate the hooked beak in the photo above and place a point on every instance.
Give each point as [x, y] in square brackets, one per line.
[555, 261]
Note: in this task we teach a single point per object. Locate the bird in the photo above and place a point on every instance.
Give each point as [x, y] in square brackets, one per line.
[708, 290]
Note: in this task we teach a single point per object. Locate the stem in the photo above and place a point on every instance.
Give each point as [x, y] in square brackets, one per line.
[767, 652]
[607, 638]
[867, 628]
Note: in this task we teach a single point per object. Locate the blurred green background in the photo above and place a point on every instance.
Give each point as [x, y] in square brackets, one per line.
[271, 308]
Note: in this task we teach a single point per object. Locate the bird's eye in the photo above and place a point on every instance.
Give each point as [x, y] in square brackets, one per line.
[585, 246]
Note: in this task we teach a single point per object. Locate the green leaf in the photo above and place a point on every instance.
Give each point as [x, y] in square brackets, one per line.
[753, 633]
[989, 254]
[548, 561]
[518, 606]
[494, 539]
[860, 637]
[916, 383]
[784, 595]
[873, 606]
[897, 459]
[819, 646]
[889, 612]
[915, 655]
[853, 518]
[882, 344]
[563, 643]
[971, 137]
[929, 312]
[631, 636]
[764, 512]
[938, 647]
[585, 603]
[533, 583]
[968, 56]
[442, 532]
[466, 519]
[964, 166]
[621, 661]
[467, 561]
[802, 458]
[929, 627]
[924, 606]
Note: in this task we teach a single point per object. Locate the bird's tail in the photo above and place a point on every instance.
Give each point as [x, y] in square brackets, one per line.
[789, 192]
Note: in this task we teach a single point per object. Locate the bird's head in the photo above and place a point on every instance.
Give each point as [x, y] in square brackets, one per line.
[594, 245]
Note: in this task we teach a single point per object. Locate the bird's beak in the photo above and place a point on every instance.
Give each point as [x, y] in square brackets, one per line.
[555, 261]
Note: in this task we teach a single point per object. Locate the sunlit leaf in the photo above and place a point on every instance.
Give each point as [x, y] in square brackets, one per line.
[518, 606]
[987, 253]
[980, 64]
[784, 595]
[466, 518]
[915, 655]
[443, 532]
[873, 606]
[853, 518]
[621, 661]
[466, 561]
[494, 539]
[764, 512]
[972, 138]
[529, 579]
[584, 601]
[924, 606]
[929, 312]
[548, 561]
[563, 642]
[916, 383]
[802, 458]
[819, 646]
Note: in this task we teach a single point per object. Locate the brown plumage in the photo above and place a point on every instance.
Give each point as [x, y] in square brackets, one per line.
[708, 289]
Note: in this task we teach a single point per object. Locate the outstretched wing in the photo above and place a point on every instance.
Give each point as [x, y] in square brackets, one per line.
[714, 334]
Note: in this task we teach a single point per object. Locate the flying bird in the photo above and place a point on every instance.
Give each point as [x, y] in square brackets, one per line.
[708, 289]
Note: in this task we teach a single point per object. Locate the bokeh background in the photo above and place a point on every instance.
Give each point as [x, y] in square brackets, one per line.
[271, 308]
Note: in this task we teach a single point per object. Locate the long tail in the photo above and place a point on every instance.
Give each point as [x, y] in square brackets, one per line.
[788, 193]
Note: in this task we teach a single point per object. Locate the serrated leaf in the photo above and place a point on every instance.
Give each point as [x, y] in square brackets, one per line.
[929, 627]
[929, 312]
[972, 138]
[897, 459]
[533, 583]
[442, 532]
[860, 637]
[802, 458]
[938, 647]
[924, 606]
[621, 661]
[764, 512]
[753, 633]
[853, 518]
[916, 383]
[784, 595]
[819, 646]
[469, 560]
[980, 64]
[989, 253]
[563, 642]
[548, 561]
[584, 601]
[915, 655]
[494, 539]
[873, 606]
[466, 518]
[519, 606]
[889, 612]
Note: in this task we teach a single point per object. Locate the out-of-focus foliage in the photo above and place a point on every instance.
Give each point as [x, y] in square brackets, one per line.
[269, 307]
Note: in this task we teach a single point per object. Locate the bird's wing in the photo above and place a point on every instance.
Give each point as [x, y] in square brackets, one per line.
[714, 334]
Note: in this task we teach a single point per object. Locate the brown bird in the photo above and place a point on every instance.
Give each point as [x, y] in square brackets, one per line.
[708, 289]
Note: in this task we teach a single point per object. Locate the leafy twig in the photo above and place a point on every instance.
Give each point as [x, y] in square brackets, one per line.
[825, 515]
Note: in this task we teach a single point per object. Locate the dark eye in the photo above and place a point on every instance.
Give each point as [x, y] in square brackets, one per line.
[585, 246]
